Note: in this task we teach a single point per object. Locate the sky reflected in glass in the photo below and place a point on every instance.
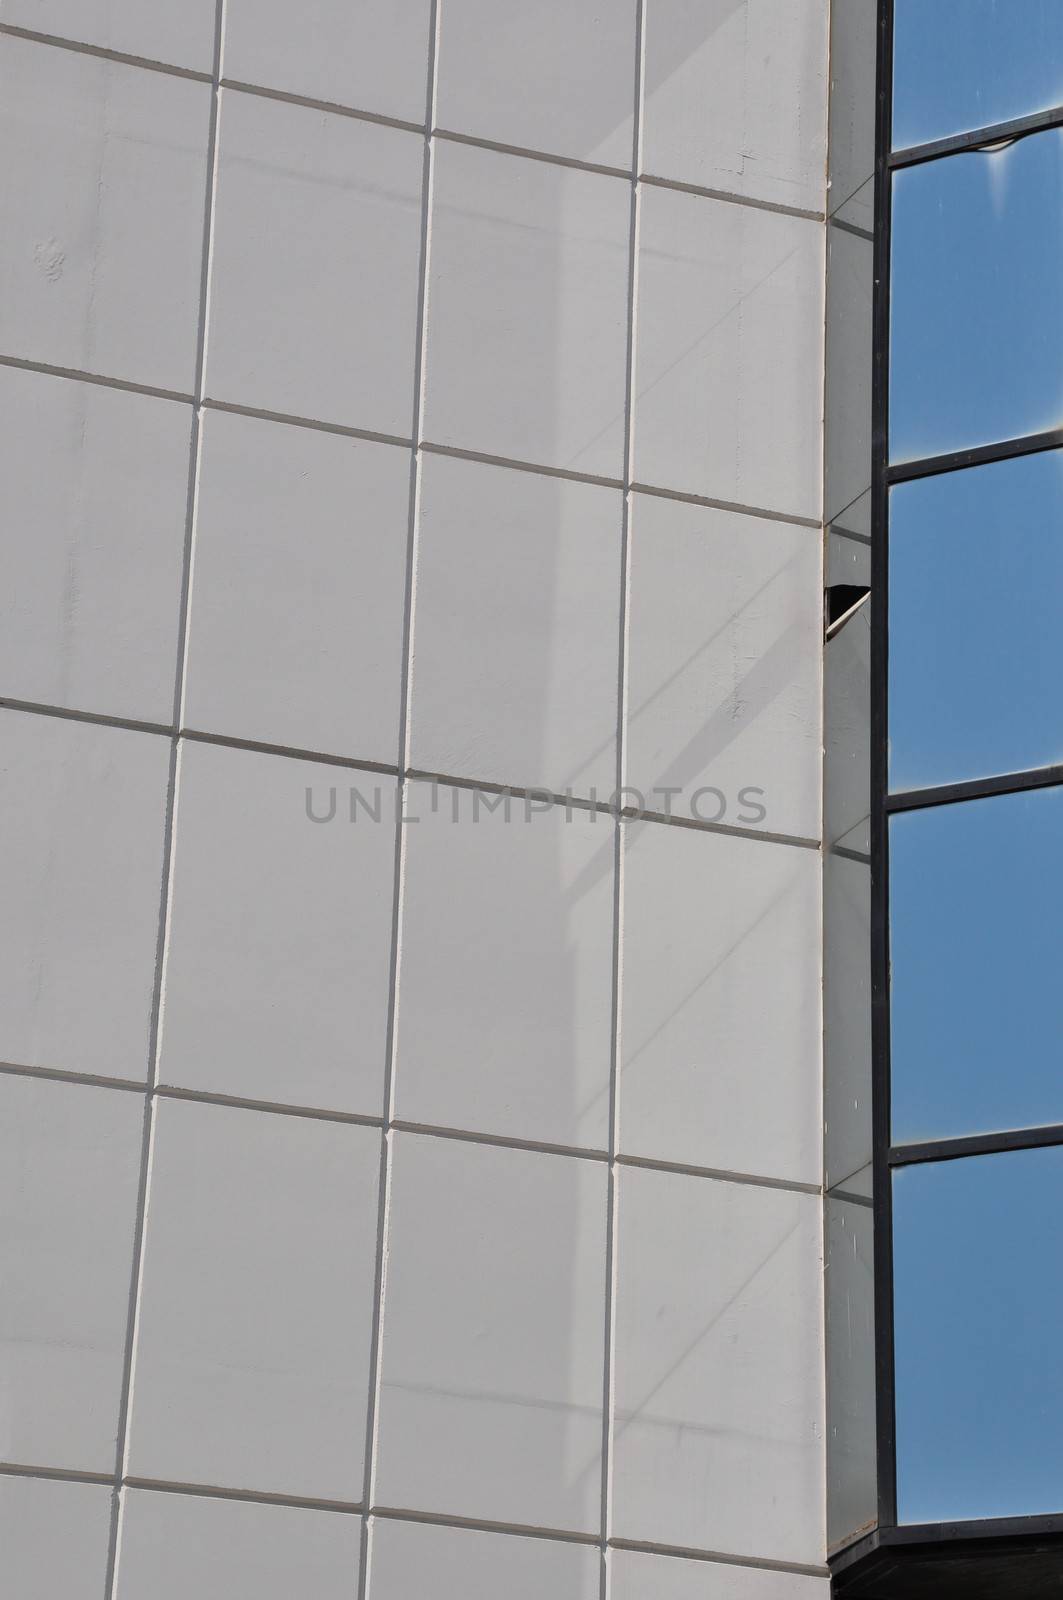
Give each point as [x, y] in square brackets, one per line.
[978, 1309]
[976, 641]
[959, 65]
[976, 1010]
[976, 312]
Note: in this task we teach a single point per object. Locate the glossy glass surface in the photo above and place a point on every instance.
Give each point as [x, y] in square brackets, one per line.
[976, 1014]
[960, 65]
[976, 312]
[978, 1308]
[976, 639]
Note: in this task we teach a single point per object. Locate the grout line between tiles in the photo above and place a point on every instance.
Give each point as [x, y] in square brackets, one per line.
[235, 409]
[281, 1108]
[333, 108]
[539, 796]
[726, 505]
[424, 446]
[46, 369]
[227, 741]
[498, 1140]
[103, 53]
[460, 453]
[93, 718]
[384, 1191]
[15, 1469]
[685, 1169]
[732, 830]
[612, 1194]
[365, 1119]
[720, 1558]
[261, 1497]
[498, 147]
[401, 124]
[518, 1530]
[87, 1080]
[129, 1355]
[531, 796]
[803, 213]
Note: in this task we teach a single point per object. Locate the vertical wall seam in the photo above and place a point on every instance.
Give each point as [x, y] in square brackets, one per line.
[824, 842]
[384, 1191]
[612, 1203]
[147, 1146]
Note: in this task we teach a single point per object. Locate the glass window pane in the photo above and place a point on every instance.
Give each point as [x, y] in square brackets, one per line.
[976, 314]
[976, 891]
[960, 65]
[978, 1309]
[976, 646]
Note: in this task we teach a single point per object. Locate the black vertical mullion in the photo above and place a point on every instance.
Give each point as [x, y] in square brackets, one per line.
[880, 1031]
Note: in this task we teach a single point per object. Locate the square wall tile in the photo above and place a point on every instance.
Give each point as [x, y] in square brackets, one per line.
[729, 357]
[725, 667]
[369, 54]
[852, 1467]
[81, 861]
[505, 969]
[103, 195]
[497, 1415]
[847, 1024]
[850, 362]
[718, 1440]
[298, 588]
[721, 1029]
[317, 243]
[735, 97]
[180, 34]
[69, 1175]
[527, 310]
[97, 483]
[516, 640]
[279, 943]
[54, 1538]
[853, 68]
[434, 1563]
[635, 1575]
[173, 1546]
[558, 76]
[252, 1357]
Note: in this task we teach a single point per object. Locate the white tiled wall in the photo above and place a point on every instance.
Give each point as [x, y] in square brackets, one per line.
[411, 1187]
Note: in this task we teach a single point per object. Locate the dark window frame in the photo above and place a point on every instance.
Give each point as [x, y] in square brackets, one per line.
[982, 1558]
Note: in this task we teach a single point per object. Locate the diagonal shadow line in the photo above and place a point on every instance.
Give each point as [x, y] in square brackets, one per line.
[627, 1062]
[725, 955]
[735, 307]
[684, 666]
[761, 685]
[757, 690]
[626, 1418]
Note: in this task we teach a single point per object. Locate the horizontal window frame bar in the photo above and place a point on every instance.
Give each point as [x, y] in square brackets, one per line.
[904, 1535]
[975, 1144]
[976, 139]
[982, 455]
[896, 1560]
[947, 794]
[908, 1533]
